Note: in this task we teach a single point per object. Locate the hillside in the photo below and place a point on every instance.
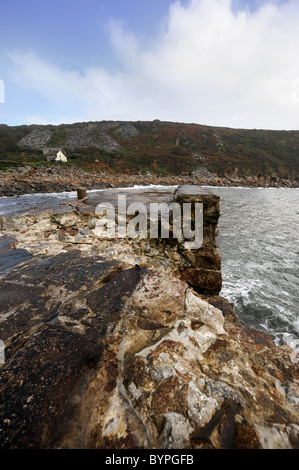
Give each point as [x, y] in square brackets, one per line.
[157, 147]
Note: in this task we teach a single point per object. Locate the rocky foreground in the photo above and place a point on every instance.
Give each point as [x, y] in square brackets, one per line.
[119, 344]
[58, 178]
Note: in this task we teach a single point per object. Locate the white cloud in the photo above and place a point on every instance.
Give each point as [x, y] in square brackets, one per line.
[210, 65]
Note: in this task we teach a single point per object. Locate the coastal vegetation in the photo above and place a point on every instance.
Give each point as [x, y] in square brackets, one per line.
[158, 147]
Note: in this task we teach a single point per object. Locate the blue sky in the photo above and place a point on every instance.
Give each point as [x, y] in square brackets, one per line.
[227, 63]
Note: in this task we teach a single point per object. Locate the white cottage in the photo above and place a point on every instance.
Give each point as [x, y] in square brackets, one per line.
[54, 154]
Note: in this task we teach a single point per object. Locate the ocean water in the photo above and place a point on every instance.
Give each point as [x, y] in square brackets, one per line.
[259, 243]
[258, 239]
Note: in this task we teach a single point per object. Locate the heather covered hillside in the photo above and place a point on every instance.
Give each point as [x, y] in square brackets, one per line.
[162, 148]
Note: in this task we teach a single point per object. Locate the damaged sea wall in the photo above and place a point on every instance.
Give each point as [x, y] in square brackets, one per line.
[203, 268]
[75, 225]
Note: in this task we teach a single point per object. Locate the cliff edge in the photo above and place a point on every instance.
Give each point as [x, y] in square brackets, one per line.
[126, 344]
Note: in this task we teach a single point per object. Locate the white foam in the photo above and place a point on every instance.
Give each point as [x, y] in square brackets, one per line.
[136, 186]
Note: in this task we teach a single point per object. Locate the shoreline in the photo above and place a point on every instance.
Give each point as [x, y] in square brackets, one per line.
[57, 179]
[140, 187]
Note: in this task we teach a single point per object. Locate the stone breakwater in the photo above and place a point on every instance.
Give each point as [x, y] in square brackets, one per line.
[59, 178]
[123, 344]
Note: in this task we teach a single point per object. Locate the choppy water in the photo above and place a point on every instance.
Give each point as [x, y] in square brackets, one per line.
[18, 204]
[258, 238]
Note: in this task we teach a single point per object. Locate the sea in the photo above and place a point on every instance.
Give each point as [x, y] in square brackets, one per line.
[258, 240]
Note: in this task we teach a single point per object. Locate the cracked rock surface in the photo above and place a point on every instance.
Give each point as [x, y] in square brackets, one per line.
[108, 345]
[104, 354]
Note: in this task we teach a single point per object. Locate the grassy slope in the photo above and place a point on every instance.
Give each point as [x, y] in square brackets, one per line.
[169, 148]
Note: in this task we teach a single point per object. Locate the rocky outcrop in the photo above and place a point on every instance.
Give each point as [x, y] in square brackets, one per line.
[102, 355]
[37, 139]
[127, 131]
[202, 172]
[107, 348]
[83, 138]
[76, 138]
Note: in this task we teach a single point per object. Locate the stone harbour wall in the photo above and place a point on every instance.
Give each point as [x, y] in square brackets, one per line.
[204, 270]
[124, 344]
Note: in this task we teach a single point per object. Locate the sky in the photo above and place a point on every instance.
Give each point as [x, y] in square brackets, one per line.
[228, 63]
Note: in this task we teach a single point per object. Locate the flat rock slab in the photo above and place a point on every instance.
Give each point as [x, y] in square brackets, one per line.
[48, 362]
[194, 191]
[70, 270]
[105, 305]
[9, 256]
[144, 196]
[38, 390]
[35, 292]
[21, 307]
[13, 258]
[54, 315]
[7, 244]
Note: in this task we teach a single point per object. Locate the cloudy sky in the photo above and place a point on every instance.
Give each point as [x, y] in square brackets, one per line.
[232, 63]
